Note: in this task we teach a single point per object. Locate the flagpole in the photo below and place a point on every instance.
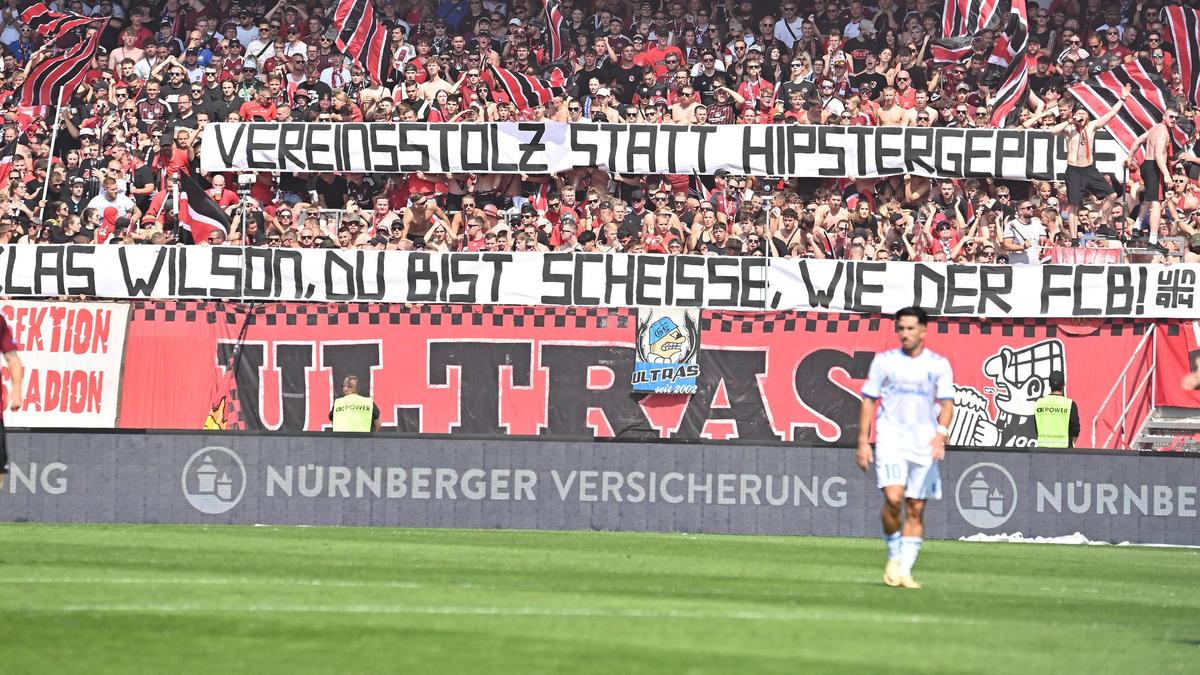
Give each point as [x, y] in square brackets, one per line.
[175, 202]
[50, 156]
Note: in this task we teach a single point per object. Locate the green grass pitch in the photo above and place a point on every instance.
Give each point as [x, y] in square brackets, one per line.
[177, 599]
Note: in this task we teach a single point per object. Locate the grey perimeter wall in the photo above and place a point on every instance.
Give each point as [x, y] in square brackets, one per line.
[415, 482]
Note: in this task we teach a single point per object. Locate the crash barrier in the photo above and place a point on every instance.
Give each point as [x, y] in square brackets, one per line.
[311, 479]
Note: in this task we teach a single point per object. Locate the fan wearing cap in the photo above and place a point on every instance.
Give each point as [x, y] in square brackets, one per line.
[261, 108]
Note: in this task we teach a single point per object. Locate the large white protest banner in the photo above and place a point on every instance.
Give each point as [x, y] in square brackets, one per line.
[553, 147]
[593, 279]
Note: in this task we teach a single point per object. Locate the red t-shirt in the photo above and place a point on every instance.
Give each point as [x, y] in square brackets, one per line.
[252, 110]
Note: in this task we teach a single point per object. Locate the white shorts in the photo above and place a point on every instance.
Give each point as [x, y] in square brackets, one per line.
[920, 481]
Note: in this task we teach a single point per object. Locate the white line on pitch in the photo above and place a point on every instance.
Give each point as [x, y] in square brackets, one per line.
[214, 581]
[585, 612]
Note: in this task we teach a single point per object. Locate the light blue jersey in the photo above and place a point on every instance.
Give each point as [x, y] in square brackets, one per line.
[909, 390]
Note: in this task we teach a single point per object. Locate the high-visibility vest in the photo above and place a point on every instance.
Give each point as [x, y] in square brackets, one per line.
[1053, 415]
[353, 413]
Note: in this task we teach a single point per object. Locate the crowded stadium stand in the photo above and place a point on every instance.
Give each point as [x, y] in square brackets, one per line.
[140, 82]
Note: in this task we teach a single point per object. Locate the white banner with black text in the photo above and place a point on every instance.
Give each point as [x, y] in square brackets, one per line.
[553, 147]
[593, 279]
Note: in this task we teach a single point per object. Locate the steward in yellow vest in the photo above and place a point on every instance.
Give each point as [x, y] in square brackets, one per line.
[1057, 416]
[353, 412]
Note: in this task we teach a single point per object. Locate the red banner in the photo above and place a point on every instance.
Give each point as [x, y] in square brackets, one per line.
[565, 372]
[1178, 349]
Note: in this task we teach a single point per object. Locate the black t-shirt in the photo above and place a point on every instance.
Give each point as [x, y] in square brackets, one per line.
[188, 121]
[647, 93]
[957, 204]
[828, 25]
[219, 110]
[170, 92]
[581, 80]
[363, 191]
[142, 176]
[920, 79]
[290, 182]
[1040, 84]
[859, 47]
[626, 81]
[703, 84]
[785, 90]
[879, 80]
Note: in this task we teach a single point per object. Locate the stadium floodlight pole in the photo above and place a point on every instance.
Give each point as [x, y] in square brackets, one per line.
[58, 110]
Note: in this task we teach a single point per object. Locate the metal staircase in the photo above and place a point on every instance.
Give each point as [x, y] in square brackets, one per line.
[1170, 429]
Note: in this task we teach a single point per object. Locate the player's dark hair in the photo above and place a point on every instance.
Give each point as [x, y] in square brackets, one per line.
[921, 315]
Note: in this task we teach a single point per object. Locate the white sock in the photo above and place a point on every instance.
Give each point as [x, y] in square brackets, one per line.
[893, 545]
[910, 548]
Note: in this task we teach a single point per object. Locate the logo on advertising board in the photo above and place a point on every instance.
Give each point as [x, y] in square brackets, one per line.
[668, 345]
[986, 495]
[214, 480]
[1020, 377]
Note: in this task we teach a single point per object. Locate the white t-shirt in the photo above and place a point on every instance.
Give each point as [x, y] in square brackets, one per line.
[124, 205]
[788, 33]
[909, 391]
[1019, 232]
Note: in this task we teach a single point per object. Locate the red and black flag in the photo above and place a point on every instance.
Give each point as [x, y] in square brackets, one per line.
[54, 79]
[1183, 23]
[951, 49]
[558, 73]
[198, 213]
[524, 91]
[556, 30]
[361, 37]
[967, 17]
[1014, 87]
[51, 25]
[962, 20]
[1144, 108]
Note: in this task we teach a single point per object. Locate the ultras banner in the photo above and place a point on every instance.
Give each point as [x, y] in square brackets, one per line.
[553, 147]
[489, 371]
[598, 280]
